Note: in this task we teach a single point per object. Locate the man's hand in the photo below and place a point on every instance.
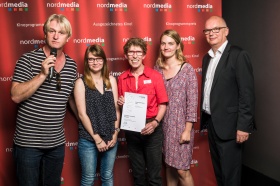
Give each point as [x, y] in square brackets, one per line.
[241, 136]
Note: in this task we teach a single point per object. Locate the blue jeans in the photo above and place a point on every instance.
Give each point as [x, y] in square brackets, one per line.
[36, 166]
[145, 152]
[88, 154]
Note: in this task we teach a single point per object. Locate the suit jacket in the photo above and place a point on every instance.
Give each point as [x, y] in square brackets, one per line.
[232, 96]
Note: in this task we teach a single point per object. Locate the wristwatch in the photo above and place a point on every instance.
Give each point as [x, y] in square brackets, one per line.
[157, 122]
[117, 129]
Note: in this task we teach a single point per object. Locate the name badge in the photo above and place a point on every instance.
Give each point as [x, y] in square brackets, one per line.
[108, 89]
[148, 81]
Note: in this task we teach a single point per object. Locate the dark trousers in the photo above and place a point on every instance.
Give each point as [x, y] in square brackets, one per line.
[145, 152]
[226, 157]
[35, 166]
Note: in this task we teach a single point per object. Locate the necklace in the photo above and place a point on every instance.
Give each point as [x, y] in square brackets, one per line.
[97, 81]
[97, 78]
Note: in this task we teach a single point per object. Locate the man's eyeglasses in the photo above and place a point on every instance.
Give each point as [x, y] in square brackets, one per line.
[58, 82]
[98, 60]
[214, 30]
[138, 53]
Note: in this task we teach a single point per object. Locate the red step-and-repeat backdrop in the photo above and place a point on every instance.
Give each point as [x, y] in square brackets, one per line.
[109, 23]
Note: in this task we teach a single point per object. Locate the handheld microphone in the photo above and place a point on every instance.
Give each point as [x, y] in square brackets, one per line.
[51, 70]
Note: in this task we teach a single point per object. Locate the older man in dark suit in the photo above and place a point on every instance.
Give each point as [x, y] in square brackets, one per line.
[228, 101]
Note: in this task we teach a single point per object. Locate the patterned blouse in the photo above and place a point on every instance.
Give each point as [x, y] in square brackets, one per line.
[102, 113]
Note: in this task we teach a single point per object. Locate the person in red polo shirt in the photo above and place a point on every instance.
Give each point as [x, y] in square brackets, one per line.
[145, 147]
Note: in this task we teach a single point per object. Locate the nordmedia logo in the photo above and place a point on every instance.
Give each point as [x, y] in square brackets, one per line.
[36, 42]
[190, 40]
[61, 180]
[194, 163]
[199, 71]
[72, 145]
[15, 7]
[166, 7]
[89, 41]
[201, 7]
[147, 39]
[73, 6]
[6, 78]
[121, 7]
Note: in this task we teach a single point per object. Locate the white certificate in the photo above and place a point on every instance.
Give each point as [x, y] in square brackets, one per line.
[134, 112]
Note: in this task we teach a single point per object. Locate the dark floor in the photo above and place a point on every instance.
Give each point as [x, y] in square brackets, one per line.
[252, 178]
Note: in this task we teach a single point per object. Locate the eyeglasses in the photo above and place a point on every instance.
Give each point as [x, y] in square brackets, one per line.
[138, 53]
[214, 30]
[98, 60]
[58, 82]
